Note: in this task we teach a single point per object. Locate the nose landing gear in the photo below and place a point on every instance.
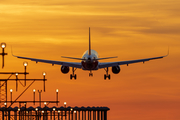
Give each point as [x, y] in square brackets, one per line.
[90, 74]
[106, 75]
[73, 75]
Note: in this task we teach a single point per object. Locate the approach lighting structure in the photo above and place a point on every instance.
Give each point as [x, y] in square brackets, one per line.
[3, 46]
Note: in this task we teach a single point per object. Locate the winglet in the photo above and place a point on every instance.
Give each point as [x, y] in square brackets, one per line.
[12, 52]
[89, 42]
[167, 53]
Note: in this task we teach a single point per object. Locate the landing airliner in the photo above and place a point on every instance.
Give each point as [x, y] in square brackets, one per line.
[90, 62]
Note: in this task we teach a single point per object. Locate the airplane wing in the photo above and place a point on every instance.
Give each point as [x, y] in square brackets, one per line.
[70, 64]
[110, 64]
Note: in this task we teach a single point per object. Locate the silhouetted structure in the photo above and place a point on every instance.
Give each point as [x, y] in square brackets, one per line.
[3, 46]
[38, 113]
[53, 113]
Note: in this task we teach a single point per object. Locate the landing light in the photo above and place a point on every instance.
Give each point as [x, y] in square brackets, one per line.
[57, 90]
[25, 63]
[44, 73]
[34, 90]
[3, 45]
[11, 90]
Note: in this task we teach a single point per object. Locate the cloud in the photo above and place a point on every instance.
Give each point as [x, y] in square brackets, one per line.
[161, 30]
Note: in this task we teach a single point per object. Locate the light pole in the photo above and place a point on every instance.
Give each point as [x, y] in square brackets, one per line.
[19, 109]
[59, 114]
[75, 115]
[54, 113]
[16, 82]
[40, 97]
[25, 110]
[57, 96]
[43, 114]
[71, 113]
[34, 90]
[11, 90]
[45, 111]
[65, 109]
[3, 46]
[44, 74]
[5, 104]
[25, 67]
[37, 115]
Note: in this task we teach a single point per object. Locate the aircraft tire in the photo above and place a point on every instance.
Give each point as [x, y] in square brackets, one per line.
[71, 76]
[109, 77]
[104, 76]
[75, 76]
[90, 74]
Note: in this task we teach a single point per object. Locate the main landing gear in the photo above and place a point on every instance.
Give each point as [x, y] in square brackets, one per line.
[90, 74]
[73, 75]
[106, 75]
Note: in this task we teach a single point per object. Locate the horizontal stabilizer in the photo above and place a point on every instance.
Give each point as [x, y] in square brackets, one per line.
[106, 58]
[85, 59]
[72, 58]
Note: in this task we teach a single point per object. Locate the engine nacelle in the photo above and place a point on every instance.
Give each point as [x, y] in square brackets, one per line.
[116, 69]
[65, 69]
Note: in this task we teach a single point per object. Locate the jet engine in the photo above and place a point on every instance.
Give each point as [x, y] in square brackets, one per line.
[64, 69]
[116, 69]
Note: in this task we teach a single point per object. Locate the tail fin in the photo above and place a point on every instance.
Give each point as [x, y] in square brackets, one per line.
[89, 42]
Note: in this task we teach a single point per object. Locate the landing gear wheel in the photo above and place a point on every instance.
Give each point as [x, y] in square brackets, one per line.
[109, 76]
[90, 74]
[73, 75]
[106, 75]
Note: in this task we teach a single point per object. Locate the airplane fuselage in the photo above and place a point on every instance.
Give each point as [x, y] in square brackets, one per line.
[90, 62]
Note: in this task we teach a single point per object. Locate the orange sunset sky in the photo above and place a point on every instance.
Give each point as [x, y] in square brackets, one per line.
[128, 29]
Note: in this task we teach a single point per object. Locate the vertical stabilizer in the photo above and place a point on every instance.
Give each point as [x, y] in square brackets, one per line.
[89, 42]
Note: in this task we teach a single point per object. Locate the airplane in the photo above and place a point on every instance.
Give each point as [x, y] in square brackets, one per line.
[90, 62]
